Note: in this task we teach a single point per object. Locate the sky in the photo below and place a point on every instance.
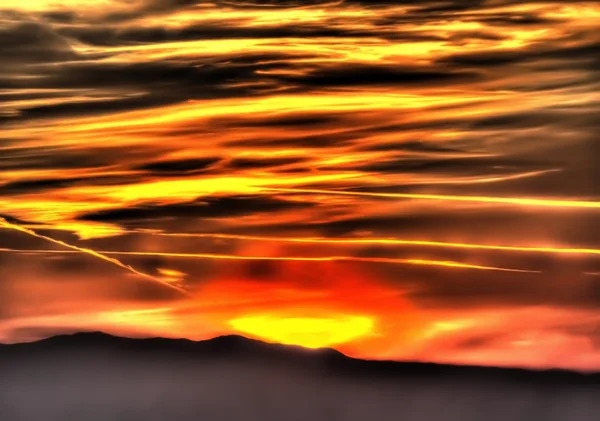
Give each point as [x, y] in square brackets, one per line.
[394, 179]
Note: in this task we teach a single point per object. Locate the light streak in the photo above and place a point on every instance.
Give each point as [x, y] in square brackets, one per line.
[99, 255]
[520, 201]
[444, 263]
[381, 241]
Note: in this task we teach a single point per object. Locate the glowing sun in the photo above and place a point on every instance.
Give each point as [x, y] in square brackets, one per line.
[309, 332]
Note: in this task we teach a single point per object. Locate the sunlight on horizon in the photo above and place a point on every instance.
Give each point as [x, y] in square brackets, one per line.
[309, 332]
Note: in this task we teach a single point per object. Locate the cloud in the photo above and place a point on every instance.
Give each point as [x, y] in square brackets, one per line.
[276, 4]
[215, 207]
[325, 140]
[560, 286]
[249, 163]
[141, 85]
[159, 34]
[19, 187]
[39, 287]
[39, 186]
[108, 111]
[359, 75]
[56, 157]
[23, 43]
[179, 167]
[289, 121]
[451, 166]
[545, 54]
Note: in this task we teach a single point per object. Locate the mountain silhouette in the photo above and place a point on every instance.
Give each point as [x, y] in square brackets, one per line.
[96, 376]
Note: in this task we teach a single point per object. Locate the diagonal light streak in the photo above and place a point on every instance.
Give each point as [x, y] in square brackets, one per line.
[99, 255]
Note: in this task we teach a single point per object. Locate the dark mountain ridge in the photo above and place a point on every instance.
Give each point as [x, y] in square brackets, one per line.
[246, 349]
[99, 377]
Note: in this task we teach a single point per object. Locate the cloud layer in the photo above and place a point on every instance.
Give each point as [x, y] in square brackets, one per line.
[447, 148]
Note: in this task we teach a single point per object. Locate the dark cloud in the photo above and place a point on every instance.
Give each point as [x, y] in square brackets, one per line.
[263, 270]
[64, 16]
[140, 85]
[217, 207]
[543, 53]
[410, 146]
[303, 141]
[151, 35]
[149, 84]
[291, 121]
[465, 223]
[249, 163]
[517, 121]
[45, 184]
[116, 35]
[475, 289]
[520, 19]
[56, 157]
[484, 59]
[179, 167]
[275, 4]
[91, 107]
[451, 166]
[24, 43]
[362, 75]
[25, 186]
[474, 342]
[156, 76]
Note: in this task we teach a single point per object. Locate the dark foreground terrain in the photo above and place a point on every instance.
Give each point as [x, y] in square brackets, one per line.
[97, 377]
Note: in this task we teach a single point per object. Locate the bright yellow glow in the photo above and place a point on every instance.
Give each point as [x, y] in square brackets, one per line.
[309, 332]
[171, 275]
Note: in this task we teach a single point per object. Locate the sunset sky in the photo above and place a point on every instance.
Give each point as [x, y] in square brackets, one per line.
[394, 179]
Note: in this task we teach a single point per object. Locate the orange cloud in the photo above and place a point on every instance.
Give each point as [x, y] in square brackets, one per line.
[397, 181]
